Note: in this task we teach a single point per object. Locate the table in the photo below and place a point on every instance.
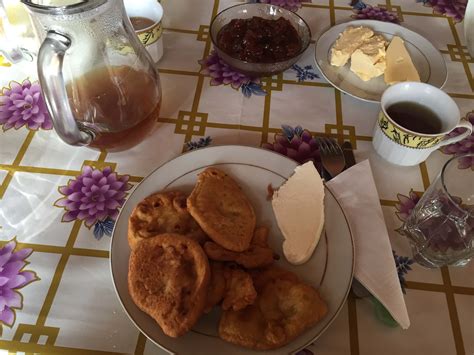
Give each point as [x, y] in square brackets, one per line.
[68, 304]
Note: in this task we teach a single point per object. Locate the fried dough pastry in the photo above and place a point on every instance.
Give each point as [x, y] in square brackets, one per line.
[260, 237]
[283, 310]
[261, 277]
[163, 212]
[293, 306]
[217, 285]
[259, 254]
[222, 210]
[239, 292]
[168, 278]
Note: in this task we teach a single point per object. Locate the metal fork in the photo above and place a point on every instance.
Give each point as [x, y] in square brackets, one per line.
[332, 156]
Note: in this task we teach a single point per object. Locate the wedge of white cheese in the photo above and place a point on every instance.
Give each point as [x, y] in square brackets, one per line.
[298, 206]
[400, 67]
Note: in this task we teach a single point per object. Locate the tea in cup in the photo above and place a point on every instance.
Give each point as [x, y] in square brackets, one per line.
[414, 121]
[145, 16]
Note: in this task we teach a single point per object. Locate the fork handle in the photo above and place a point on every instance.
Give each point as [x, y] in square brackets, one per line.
[325, 175]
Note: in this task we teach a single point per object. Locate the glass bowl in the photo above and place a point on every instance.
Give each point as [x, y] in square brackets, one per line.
[266, 11]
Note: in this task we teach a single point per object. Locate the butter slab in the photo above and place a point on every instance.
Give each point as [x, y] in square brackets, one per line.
[368, 61]
[348, 41]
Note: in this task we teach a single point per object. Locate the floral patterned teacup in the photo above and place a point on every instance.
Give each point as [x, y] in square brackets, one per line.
[402, 146]
[150, 35]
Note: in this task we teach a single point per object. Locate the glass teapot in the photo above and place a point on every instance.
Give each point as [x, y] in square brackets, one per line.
[99, 82]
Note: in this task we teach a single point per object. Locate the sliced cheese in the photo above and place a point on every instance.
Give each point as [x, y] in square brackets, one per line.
[348, 41]
[298, 206]
[400, 67]
[368, 61]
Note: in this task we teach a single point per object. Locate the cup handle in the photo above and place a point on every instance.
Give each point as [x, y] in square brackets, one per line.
[462, 124]
[50, 65]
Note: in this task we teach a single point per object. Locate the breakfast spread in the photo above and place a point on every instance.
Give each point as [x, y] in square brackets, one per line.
[175, 279]
[370, 57]
[197, 268]
[259, 40]
[298, 206]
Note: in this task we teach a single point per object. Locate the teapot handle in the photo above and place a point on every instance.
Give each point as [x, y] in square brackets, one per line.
[50, 65]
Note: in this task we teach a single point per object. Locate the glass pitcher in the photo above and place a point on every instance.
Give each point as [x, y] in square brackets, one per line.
[99, 82]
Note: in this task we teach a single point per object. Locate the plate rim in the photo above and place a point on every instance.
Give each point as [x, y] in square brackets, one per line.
[327, 29]
[197, 151]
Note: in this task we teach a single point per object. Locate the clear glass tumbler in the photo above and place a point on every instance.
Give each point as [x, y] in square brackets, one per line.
[441, 226]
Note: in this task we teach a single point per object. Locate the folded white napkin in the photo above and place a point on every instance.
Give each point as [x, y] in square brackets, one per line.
[374, 264]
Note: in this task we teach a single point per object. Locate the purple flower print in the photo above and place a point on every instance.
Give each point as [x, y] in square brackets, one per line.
[403, 266]
[363, 11]
[222, 74]
[93, 196]
[296, 143]
[23, 105]
[292, 5]
[462, 147]
[406, 204]
[201, 143]
[304, 73]
[452, 8]
[102, 228]
[12, 278]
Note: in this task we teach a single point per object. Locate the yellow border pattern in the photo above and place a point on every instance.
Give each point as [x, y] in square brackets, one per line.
[404, 138]
[151, 35]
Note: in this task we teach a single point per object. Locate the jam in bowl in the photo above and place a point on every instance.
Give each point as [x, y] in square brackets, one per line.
[259, 39]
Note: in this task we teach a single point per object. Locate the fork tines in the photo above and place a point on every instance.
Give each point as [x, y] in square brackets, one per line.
[329, 145]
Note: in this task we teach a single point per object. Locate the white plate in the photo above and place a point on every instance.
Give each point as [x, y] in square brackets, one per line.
[427, 59]
[330, 269]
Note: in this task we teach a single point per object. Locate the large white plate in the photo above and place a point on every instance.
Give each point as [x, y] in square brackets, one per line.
[427, 59]
[330, 269]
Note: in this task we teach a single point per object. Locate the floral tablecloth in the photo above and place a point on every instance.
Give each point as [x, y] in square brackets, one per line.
[56, 292]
